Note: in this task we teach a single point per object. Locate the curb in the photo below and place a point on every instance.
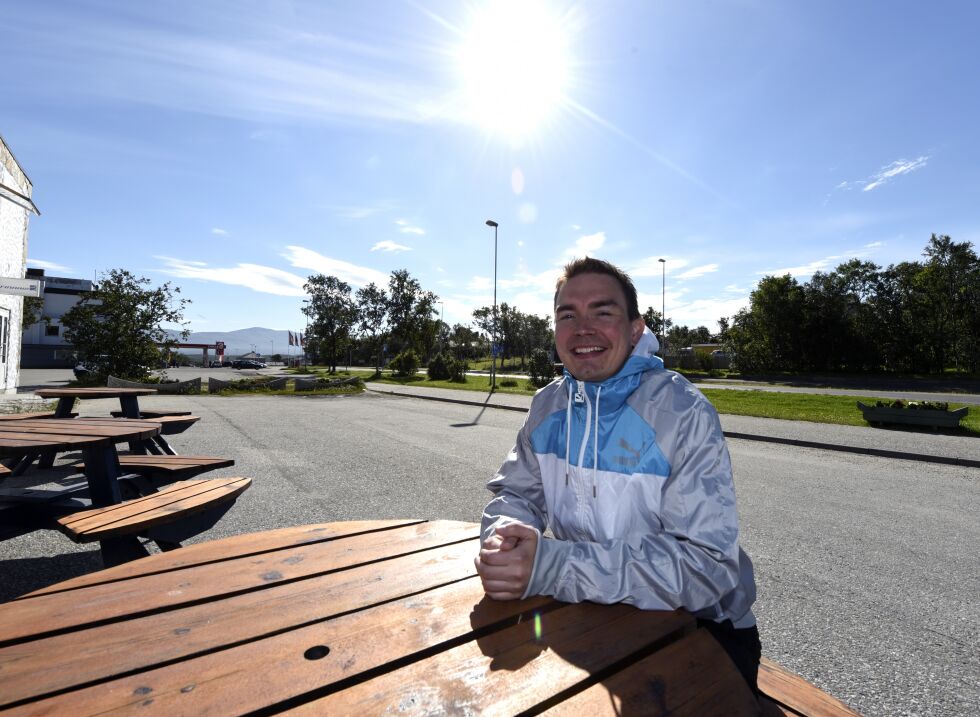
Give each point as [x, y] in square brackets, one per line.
[877, 452]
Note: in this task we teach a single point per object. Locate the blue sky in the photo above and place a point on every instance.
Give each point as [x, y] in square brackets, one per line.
[235, 148]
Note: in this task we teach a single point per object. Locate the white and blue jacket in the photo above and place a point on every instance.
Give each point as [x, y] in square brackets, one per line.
[633, 478]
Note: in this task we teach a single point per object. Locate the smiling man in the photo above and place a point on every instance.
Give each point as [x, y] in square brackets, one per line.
[626, 465]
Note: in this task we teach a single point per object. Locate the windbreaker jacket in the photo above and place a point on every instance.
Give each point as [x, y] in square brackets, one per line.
[633, 478]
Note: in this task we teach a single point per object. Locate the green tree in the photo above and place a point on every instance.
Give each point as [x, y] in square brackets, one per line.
[767, 335]
[118, 327]
[372, 305]
[410, 310]
[33, 308]
[332, 314]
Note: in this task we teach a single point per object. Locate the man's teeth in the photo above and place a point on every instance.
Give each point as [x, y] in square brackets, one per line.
[589, 349]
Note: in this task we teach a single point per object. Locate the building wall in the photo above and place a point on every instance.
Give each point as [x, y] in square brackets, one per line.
[44, 344]
[13, 256]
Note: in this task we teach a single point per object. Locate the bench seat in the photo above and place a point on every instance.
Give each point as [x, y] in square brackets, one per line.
[150, 415]
[169, 466]
[169, 505]
[785, 694]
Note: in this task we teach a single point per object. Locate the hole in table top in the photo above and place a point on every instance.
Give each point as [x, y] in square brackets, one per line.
[317, 652]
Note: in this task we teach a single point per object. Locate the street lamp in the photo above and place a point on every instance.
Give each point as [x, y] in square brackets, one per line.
[663, 305]
[493, 338]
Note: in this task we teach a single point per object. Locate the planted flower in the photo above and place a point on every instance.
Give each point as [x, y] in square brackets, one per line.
[933, 414]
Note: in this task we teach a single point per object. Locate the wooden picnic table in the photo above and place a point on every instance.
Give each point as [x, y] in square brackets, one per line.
[365, 617]
[128, 398]
[96, 438]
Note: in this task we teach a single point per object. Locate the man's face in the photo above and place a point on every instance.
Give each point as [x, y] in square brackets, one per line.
[593, 332]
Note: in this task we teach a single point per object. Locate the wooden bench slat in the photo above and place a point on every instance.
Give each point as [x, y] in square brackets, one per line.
[789, 690]
[31, 415]
[150, 415]
[167, 464]
[132, 516]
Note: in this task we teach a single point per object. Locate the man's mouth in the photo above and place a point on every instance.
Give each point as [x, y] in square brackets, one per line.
[582, 350]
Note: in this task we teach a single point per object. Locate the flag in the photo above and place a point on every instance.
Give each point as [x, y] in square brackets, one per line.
[290, 338]
[301, 340]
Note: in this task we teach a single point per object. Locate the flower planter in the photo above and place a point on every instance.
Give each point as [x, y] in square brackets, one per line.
[878, 415]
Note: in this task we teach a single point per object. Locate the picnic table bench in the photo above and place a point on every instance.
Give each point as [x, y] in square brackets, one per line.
[366, 617]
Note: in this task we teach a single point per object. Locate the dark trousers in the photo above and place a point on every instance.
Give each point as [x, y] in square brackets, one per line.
[743, 646]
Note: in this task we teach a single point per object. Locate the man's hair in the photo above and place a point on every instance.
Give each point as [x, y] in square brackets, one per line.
[588, 265]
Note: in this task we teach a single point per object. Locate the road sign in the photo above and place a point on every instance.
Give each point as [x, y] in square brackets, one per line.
[20, 287]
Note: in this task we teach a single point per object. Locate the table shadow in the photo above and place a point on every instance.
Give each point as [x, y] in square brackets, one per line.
[24, 575]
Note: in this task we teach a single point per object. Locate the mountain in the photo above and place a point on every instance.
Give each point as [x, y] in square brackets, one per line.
[262, 341]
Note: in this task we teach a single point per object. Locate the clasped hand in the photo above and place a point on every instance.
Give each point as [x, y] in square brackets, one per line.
[506, 560]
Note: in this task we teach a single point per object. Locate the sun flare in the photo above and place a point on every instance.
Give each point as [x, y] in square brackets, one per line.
[513, 65]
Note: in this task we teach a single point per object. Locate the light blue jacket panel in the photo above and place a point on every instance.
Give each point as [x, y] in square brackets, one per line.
[633, 478]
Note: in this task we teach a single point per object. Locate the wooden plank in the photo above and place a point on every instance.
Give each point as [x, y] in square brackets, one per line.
[167, 464]
[513, 669]
[29, 416]
[238, 546]
[106, 651]
[170, 425]
[688, 678]
[93, 392]
[792, 691]
[14, 442]
[75, 609]
[172, 503]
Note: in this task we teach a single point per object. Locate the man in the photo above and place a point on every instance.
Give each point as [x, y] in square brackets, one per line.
[626, 464]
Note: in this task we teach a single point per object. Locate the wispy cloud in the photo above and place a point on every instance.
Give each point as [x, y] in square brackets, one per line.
[697, 271]
[264, 279]
[895, 169]
[885, 174]
[405, 227]
[304, 258]
[651, 266]
[218, 231]
[390, 246]
[47, 265]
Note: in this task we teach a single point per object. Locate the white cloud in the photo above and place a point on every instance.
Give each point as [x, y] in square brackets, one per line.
[218, 231]
[480, 283]
[874, 245]
[263, 279]
[586, 245]
[406, 228]
[802, 269]
[705, 312]
[698, 271]
[390, 246]
[47, 265]
[304, 258]
[895, 169]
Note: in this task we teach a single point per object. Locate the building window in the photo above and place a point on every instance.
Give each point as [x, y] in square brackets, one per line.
[50, 330]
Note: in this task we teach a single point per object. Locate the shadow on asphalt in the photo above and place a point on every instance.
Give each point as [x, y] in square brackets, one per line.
[24, 575]
[479, 415]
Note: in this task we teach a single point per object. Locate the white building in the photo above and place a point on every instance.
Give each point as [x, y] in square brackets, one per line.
[44, 344]
[15, 209]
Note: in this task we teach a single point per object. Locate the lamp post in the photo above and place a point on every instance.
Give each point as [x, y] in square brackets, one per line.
[663, 304]
[493, 338]
[442, 321]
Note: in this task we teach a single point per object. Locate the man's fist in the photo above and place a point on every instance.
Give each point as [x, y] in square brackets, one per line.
[506, 561]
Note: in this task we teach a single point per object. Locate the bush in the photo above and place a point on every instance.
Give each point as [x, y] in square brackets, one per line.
[541, 369]
[508, 383]
[704, 360]
[439, 368]
[457, 370]
[405, 364]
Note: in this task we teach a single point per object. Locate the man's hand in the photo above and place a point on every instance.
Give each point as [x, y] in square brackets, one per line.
[506, 560]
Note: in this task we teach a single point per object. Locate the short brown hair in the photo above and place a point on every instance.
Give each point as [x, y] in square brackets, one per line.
[589, 265]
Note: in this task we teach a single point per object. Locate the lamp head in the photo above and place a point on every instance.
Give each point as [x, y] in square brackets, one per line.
[491, 223]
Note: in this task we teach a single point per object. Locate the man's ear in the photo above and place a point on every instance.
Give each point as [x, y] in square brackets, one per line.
[636, 330]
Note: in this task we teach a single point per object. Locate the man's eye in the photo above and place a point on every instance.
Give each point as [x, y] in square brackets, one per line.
[562, 317]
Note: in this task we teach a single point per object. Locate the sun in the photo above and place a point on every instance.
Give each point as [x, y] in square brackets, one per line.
[513, 66]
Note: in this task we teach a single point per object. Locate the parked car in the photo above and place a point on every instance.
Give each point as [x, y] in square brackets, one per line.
[247, 363]
[81, 371]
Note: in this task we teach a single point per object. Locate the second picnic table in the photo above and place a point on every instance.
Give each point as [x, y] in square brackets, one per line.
[128, 398]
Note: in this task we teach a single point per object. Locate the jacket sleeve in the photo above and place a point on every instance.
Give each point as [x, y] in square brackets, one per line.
[691, 562]
[518, 492]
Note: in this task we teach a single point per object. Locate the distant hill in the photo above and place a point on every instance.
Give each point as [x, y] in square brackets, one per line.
[263, 341]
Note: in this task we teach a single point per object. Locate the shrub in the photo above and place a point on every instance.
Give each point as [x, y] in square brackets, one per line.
[541, 369]
[457, 370]
[704, 360]
[439, 368]
[405, 364]
[508, 383]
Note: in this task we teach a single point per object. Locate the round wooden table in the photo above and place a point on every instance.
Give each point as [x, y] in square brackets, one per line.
[128, 398]
[346, 618]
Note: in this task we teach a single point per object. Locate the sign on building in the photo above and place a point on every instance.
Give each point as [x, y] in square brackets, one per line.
[20, 287]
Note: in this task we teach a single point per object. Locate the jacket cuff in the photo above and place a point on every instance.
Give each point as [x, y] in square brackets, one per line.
[549, 558]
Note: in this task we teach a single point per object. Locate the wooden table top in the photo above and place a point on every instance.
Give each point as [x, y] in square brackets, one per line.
[95, 392]
[59, 434]
[345, 618]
